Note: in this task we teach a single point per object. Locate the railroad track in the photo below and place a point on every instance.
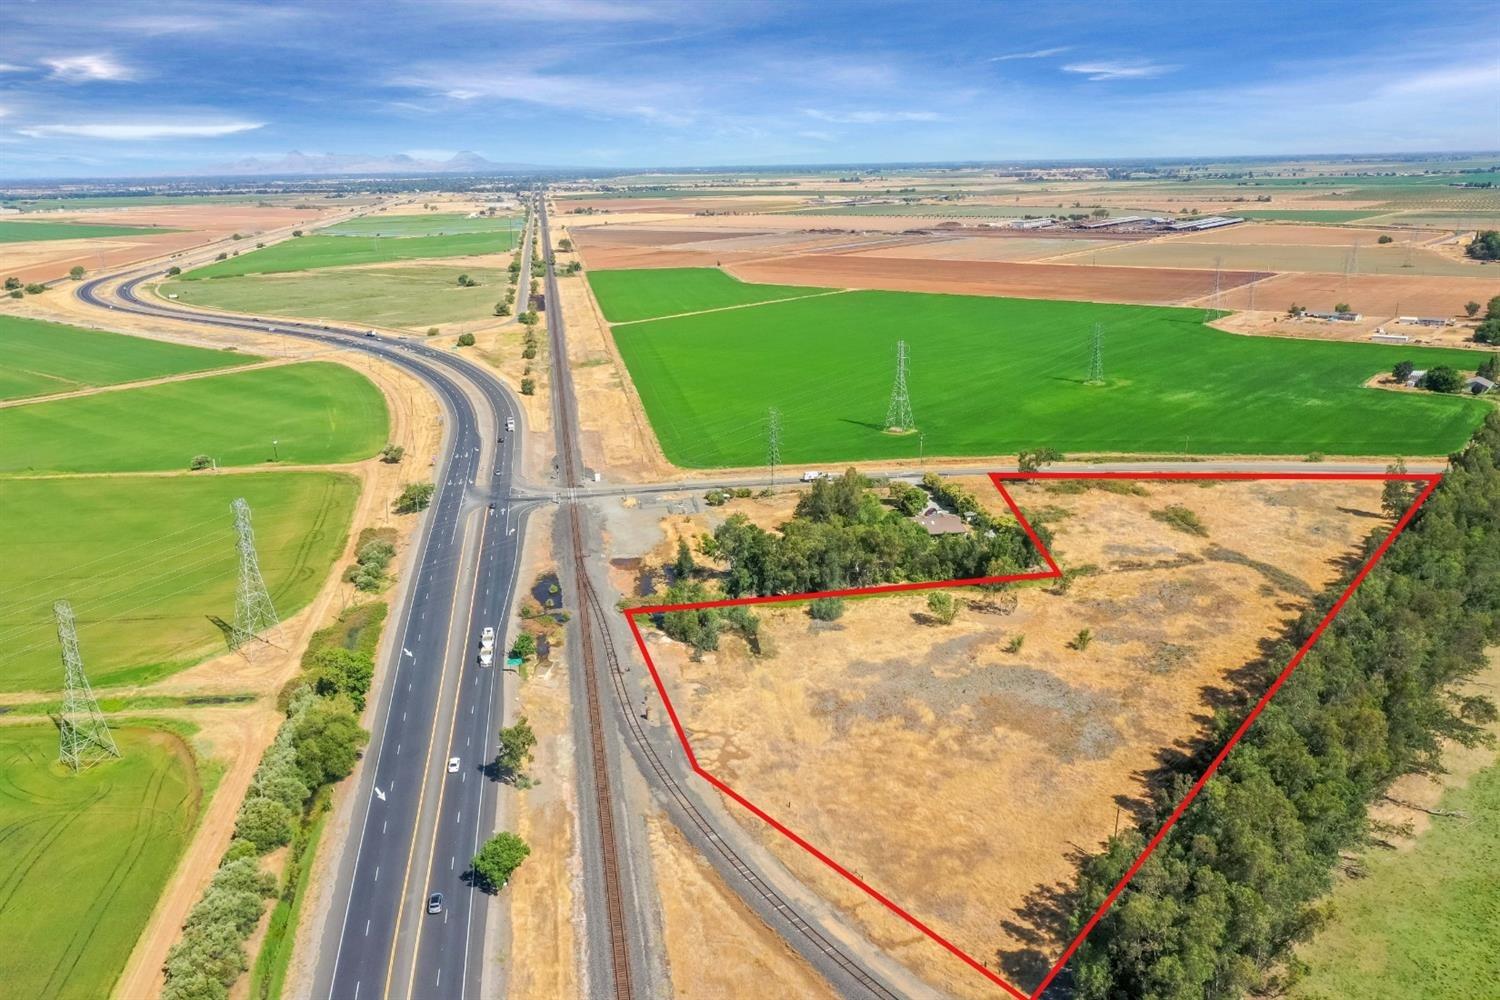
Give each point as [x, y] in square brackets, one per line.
[591, 608]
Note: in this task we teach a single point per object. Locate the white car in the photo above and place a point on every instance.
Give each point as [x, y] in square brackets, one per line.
[487, 638]
[452, 765]
[811, 476]
[510, 423]
[486, 657]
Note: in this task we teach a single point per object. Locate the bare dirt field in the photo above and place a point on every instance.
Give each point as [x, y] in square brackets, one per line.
[968, 247]
[199, 224]
[1397, 258]
[962, 778]
[1154, 286]
[743, 204]
[1374, 294]
[1295, 235]
[642, 236]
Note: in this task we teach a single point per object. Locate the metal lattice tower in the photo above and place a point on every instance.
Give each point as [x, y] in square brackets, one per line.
[773, 441]
[1096, 358]
[1212, 312]
[254, 614]
[84, 735]
[898, 415]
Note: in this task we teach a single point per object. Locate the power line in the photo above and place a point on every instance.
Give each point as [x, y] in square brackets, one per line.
[253, 611]
[84, 738]
[898, 415]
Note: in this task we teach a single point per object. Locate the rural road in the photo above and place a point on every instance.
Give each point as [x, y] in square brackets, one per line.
[436, 701]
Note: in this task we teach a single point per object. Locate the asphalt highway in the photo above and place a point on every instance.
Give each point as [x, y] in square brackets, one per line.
[417, 824]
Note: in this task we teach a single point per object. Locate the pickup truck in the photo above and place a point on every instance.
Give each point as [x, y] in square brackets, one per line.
[487, 638]
[510, 423]
[811, 476]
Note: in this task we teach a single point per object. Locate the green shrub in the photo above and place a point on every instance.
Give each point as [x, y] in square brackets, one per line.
[826, 609]
[415, 497]
[465, 340]
[264, 822]
[1181, 518]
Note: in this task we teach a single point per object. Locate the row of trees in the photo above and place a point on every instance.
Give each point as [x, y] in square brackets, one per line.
[1484, 246]
[317, 744]
[842, 536]
[1488, 331]
[1214, 912]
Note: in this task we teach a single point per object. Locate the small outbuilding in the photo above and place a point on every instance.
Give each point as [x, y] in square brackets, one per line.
[1479, 385]
[941, 522]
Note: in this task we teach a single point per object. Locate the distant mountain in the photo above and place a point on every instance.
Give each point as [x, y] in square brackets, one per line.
[299, 163]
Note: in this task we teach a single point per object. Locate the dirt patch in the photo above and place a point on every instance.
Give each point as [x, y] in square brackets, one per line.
[1151, 286]
[964, 779]
[1373, 294]
[715, 944]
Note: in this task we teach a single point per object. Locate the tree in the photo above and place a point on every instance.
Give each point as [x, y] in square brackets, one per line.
[942, 606]
[502, 309]
[1491, 367]
[529, 318]
[200, 462]
[264, 822]
[1385, 238]
[1442, 379]
[1341, 307]
[392, 453]
[432, 331]
[222, 256]
[464, 281]
[1485, 245]
[1472, 308]
[1397, 494]
[498, 860]
[415, 497]
[516, 745]
[337, 670]
[528, 387]
[327, 738]
[683, 566]
[12, 283]
[1402, 370]
[76, 272]
[296, 232]
[524, 646]
[174, 270]
[826, 609]
[1031, 461]
[465, 340]
[565, 244]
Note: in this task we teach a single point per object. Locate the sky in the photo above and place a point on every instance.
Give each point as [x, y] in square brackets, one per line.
[137, 88]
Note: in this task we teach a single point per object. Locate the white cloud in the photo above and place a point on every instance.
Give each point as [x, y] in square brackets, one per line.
[871, 117]
[11, 68]
[1136, 70]
[81, 69]
[128, 131]
[1034, 54]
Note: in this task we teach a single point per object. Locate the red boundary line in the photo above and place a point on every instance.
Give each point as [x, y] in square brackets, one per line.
[1052, 572]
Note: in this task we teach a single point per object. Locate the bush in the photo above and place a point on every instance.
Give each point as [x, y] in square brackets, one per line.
[415, 497]
[200, 462]
[1082, 639]
[826, 609]
[173, 271]
[264, 822]
[327, 738]
[528, 387]
[1341, 307]
[76, 272]
[1402, 371]
[35, 288]
[498, 860]
[942, 606]
[1385, 238]
[524, 647]
[392, 453]
[502, 309]
[12, 283]
[16, 294]
[222, 256]
[1015, 644]
[1031, 461]
[465, 340]
[1181, 518]
[1471, 309]
[432, 331]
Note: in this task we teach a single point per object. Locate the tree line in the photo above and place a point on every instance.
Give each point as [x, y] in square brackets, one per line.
[1214, 913]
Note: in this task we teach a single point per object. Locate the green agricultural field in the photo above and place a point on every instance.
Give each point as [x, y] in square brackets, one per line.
[86, 856]
[31, 232]
[309, 252]
[1329, 216]
[1423, 922]
[135, 201]
[41, 358]
[413, 297]
[429, 224]
[318, 412]
[992, 376]
[149, 562]
[625, 297]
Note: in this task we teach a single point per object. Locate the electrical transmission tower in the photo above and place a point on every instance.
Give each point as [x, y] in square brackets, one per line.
[1096, 358]
[898, 415]
[253, 612]
[85, 738]
[1212, 312]
[773, 441]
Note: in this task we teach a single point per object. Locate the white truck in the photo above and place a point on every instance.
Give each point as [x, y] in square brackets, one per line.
[487, 639]
[510, 423]
[811, 476]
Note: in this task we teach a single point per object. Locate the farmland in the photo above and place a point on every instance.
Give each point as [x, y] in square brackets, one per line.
[27, 232]
[147, 561]
[426, 224]
[626, 297]
[414, 296]
[43, 358]
[992, 376]
[310, 252]
[86, 855]
[315, 412]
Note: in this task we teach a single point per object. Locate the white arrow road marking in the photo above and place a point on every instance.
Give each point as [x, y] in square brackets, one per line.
[379, 794]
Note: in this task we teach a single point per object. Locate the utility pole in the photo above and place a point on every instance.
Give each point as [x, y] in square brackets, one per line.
[1096, 358]
[84, 735]
[253, 611]
[773, 441]
[898, 415]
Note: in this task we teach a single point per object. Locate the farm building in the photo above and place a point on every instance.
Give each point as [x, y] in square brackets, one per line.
[1032, 223]
[1208, 222]
[1333, 317]
[1124, 220]
[1390, 338]
[1424, 320]
[1479, 385]
[1415, 378]
[940, 522]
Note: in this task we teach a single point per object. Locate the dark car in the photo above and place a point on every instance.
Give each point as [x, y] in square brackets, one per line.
[435, 903]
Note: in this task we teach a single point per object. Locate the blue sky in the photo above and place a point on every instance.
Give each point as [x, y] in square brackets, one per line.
[136, 87]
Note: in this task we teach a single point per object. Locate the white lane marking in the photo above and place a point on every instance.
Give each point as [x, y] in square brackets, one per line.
[451, 859]
[356, 991]
[367, 928]
[377, 873]
[459, 818]
[383, 826]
